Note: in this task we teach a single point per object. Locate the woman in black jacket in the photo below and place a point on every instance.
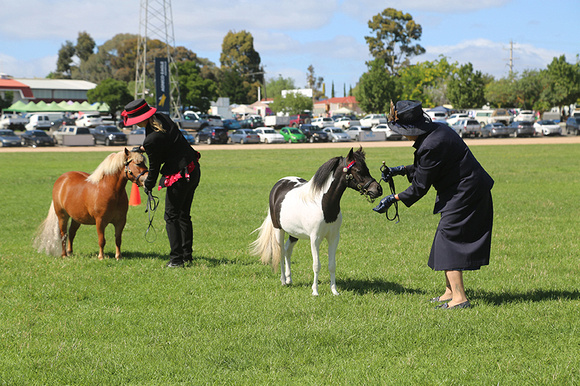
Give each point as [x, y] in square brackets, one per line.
[443, 160]
[173, 157]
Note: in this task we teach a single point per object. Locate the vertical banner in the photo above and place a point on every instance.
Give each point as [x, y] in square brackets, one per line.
[162, 85]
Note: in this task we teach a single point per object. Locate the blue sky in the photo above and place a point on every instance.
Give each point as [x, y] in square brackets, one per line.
[291, 35]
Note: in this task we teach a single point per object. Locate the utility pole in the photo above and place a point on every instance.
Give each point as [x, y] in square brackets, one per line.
[156, 22]
[511, 58]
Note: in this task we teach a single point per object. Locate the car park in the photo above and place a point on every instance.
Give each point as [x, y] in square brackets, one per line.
[13, 121]
[522, 128]
[336, 134]
[453, 118]
[190, 138]
[212, 134]
[64, 121]
[322, 122]
[389, 134]
[345, 122]
[547, 127]
[371, 120]
[73, 136]
[354, 132]
[496, 129]
[242, 136]
[313, 133]
[573, 125]
[501, 115]
[231, 124]
[436, 116]
[213, 120]
[109, 135]
[8, 138]
[191, 121]
[467, 128]
[35, 138]
[252, 122]
[292, 135]
[269, 135]
[524, 115]
[38, 122]
[89, 120]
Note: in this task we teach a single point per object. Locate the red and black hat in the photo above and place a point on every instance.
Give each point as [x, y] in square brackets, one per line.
[137, 111]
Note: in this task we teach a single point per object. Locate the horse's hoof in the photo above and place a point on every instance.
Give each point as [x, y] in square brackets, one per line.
[314, 293]
[335, 293]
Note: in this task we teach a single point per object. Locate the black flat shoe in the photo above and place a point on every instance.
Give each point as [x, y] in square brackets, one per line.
[438, 299]
[445, 306]
[174, 265]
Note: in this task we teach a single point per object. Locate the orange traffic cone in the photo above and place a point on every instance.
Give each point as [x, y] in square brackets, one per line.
[135, 198]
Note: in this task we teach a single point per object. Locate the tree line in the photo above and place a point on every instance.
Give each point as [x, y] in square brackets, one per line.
[390, 75]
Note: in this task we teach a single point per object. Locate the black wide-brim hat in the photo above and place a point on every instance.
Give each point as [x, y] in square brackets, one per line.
[137, 111]
[408, 118]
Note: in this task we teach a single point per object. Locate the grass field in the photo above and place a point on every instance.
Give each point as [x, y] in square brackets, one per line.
[227, 320]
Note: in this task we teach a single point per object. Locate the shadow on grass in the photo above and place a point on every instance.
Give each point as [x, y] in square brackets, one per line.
[197, 260]
[363, 287]
[538, 295]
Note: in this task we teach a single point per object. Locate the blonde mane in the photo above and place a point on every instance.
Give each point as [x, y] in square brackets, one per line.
[112, 164]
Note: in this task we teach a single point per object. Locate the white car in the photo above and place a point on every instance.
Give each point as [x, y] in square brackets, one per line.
[453, 118]
[322, 122]
[89, 120]
[524, 115]
[336, 134]
[346, 122]
[389, 134]
[269, 135]
[547, 127]
[373, 120]
[354, 132]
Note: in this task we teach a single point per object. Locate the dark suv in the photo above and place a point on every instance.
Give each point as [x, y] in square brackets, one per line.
[109, 135]
[212, 134]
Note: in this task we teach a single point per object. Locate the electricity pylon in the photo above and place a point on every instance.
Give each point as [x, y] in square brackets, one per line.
[156, 22]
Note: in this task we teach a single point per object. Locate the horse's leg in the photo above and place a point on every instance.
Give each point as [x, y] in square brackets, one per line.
[280, 234]
[72, 232]
[315, 248]
[332, 247]
[101, 233]
[118, 233]
[62, 226]
[288, 247]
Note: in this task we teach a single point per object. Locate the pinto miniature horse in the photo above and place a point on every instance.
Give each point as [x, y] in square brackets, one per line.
[311, 210]
[97, 199]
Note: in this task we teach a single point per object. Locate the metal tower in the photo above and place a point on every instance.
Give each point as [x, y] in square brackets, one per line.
[156, 22]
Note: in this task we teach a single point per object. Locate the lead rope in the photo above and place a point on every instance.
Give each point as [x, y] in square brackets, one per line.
[389, 179]
[152, 203]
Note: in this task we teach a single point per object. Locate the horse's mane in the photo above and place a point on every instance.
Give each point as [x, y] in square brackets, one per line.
[112, 164]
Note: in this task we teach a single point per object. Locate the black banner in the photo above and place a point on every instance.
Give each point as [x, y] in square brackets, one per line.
[162, 85]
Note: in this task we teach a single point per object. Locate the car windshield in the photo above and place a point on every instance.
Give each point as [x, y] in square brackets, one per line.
[83, 130]
[295, 131]
[39, 134]
[6, 133]
[269, 131]
[547, 123]
[112, 129]
[337, 131]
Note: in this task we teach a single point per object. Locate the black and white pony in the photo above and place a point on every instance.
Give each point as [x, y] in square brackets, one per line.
[311, 210]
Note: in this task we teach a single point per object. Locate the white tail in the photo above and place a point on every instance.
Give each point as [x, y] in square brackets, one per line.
[48, 238]
[267, 244]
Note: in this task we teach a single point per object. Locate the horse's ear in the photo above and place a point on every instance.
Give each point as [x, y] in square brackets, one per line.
[126, 152]
[350, 154]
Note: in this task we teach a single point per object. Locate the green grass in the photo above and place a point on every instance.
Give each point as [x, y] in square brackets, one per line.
[227, 319]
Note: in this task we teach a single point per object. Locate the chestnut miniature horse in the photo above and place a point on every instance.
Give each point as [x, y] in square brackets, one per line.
[97, 199]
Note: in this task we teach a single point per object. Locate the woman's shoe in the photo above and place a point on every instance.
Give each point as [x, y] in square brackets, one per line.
[438, 299]
[174, 265]
[445, 306]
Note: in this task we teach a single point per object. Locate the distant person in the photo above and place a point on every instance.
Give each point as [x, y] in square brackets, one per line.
[171, 155]
[463, 238]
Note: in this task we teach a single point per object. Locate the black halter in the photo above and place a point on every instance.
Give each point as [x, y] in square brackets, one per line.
[128, 172]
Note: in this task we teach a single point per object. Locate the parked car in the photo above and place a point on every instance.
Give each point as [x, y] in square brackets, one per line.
[140, 130]
[242, 136]
[436, 116]
[269, 135]
[300, 119]
[336, 134]
[252, 122]
[481, 116]
[467, 128]
[109, 135]
[64, 121]
[524, 116]
[8, 138]
[345, 122]
[313, 133]
[231, 124]
[35, 138]
[190, 138]
[82, 134]
[38, 122]
[212, 134]
[389, 134]
[373, 120]
[572, 125]
[496, 129]
[191, 121]
[213, 120]
[13, 121]
[89, 120]
[453, 118]
[292, 135]
[522, 128]
[355, 131]
[547, 127]
[322, 122]
[501, 115]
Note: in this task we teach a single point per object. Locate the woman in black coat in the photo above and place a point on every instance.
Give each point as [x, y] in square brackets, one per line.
[443, 160]
[173, 157]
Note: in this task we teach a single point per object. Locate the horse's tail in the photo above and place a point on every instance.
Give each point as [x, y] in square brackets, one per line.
[48, 238]
[267, 245]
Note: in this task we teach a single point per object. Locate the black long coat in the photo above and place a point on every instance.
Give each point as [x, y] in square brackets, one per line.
[443, 160]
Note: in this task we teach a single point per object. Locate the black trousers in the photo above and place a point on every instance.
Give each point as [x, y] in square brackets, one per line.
[178, 199]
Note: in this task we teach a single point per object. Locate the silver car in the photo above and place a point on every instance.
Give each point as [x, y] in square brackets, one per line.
[467, 128]
[496, 129]
[336, 134]
[242, 136]
[8, 138]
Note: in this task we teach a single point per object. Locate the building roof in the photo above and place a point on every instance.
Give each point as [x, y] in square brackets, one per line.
[342, 100]
[12, 84]
[57, 84]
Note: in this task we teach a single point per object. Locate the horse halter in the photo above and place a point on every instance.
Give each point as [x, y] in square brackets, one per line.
[128, 172]
[362, 189]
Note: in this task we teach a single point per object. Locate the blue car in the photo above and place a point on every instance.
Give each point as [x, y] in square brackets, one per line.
[8, 138]
[190, 138]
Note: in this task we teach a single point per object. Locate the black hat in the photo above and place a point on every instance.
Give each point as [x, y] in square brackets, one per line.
[137, 111]
[407, 118]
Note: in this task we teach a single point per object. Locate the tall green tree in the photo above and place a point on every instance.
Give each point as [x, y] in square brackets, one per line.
[85, 46]
[427, 81]
[393, 37]
[238, 54]
[502, 92]
[466, 88]
[529, 88]
[232, 85]
[293, 103]
[276, 85]
[113, 92]
[316, 83]
[563, 82]
[376, 88]
[64, 61]
[194, 90]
